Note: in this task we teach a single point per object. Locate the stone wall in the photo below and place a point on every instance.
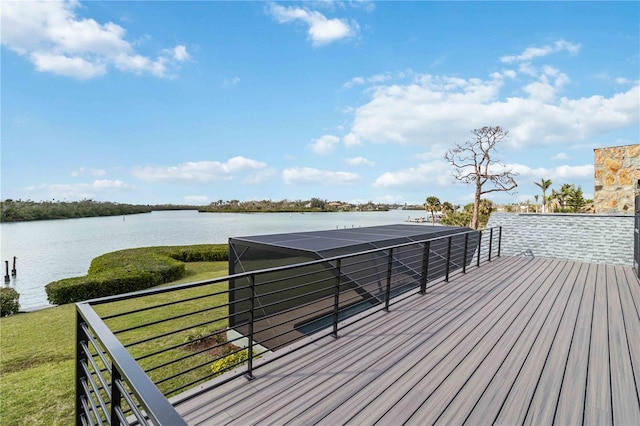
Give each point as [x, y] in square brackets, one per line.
[581, 237]
[617, 172]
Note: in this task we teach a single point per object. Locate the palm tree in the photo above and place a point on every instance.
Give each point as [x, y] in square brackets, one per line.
[544, 185]
[432, 205]
[448, 208]
[536, 197]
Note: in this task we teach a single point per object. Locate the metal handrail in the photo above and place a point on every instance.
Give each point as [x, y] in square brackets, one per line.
[123, 381]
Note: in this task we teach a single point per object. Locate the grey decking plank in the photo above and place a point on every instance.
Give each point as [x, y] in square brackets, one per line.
[362, 391]
[434, 390]
[511, 353]
[632, 324]
[545, 398]
[517, 403]
[624, 397]
[634, 288]
[384, 357]
[570, 407]
[292, 378]
[597, 406]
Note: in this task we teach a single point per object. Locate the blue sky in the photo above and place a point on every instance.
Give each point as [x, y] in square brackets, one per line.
[194, 102]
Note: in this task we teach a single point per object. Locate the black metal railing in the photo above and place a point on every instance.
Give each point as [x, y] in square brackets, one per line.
[139, 355]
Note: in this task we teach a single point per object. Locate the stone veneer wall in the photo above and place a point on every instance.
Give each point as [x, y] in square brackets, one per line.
[581, 237]
[616, 173]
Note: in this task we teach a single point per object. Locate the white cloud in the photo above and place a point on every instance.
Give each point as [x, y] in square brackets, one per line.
[54, 39]
[196, 199]
[560, 156]
[441, 110]
[351, 140]
[436, 173]
[321, 30]
[308, 175]
[198, 171]
[180, 53]
[560, 172]
[355, 81]
[537, 52]
[324, 145]
[359, 161]
[82, 171]
[78, 191]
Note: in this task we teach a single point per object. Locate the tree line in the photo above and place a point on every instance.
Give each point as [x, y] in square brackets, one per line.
[19, 210]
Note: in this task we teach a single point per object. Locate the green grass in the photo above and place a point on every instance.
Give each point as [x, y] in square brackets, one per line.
[37, 349]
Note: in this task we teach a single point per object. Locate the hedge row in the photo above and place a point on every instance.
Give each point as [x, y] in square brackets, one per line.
[131, 270]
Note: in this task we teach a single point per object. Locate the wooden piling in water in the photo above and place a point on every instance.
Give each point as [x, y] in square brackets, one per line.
[6, 275]
[14, 271]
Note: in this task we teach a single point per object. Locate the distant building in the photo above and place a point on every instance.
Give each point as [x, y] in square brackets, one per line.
[617, 177]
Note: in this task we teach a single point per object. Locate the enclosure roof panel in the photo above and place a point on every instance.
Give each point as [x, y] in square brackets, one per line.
[318, 241]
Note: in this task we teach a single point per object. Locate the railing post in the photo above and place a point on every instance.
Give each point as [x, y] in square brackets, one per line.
[446, 278]
[252, 286]
[464, 256]
[79, 371]
[490, 242]
[336, 299]
[499, 240]
[479, 248]
[388, 292]
[425, 267]
[116, 395]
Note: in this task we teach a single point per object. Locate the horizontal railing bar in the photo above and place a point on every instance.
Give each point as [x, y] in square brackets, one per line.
[121, 416]
[163, 305]
[296, 287]
[95, 390]
[95, 367]
[292, 277]
[160, 321]
[279, 302]
[85, 407]
[93, 404]
[99, 350]
[161, 411]
[183, 344]
[133, 407]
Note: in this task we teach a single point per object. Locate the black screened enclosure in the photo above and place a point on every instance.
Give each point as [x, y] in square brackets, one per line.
[301, 301]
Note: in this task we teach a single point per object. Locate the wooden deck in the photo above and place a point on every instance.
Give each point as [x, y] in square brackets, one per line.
[518, 340]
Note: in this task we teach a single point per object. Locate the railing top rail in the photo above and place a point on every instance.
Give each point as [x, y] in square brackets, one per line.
[157, 407]
[147, 292]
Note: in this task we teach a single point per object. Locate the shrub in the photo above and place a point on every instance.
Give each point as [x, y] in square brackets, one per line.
[131, 270]
[229, 362]
[9, 304]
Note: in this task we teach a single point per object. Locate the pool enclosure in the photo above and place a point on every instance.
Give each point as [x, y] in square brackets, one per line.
[290, 304]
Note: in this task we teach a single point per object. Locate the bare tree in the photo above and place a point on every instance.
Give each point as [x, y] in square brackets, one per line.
[473, 164]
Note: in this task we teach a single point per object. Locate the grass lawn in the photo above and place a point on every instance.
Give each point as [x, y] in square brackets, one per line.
[37, 356]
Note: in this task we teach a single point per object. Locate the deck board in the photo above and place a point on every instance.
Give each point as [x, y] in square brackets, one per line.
[541, 408]
[530, 340]
[597, 405]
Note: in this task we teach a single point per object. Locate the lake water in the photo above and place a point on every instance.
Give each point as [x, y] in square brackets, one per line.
[55, 249]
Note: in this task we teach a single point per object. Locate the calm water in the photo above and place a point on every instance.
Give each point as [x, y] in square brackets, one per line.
[56, 249]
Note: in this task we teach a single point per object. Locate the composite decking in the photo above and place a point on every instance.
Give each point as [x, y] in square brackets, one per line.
[518, 340]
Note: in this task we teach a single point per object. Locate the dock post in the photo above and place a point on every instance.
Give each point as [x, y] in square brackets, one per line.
[14, 271]
[6, 274]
